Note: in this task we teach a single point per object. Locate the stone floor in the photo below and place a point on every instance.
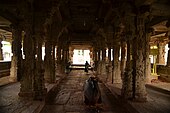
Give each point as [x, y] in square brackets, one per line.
[67, 97]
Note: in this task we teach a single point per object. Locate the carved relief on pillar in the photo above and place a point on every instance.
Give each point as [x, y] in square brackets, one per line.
[139, 78]
[161, 54]
[126, 91]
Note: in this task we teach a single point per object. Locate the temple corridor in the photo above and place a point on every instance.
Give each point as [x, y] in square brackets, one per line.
[69, 97]
[46, 44]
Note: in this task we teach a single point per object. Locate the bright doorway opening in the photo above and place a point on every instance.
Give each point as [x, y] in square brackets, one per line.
[81, 56]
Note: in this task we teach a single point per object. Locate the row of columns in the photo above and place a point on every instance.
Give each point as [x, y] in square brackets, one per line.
[29, 68]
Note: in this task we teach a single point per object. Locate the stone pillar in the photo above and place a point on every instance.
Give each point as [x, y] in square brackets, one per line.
[139, 78]
[53, 63]
[99, 66]
[168, 59]
[104, 54]
[58, 70]
[48, 62]
[28, 69]
[109, 53]
[39, 83]
[161, 54]
[95, 59]
[126, 91]
[109, 66]
[71, 55]
[116, 66]
[99, 52]
[123, 60]
[147, 59]
[15, 71]
[1, 52]
[103, 70]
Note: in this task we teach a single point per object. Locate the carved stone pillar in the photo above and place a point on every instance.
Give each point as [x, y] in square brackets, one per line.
[109, 54]
[53, 77]
[99, 53]
[58, 70]
[139, 78]
[39, 83]
[1, 52]
[147, 59]
[48, 62]
[161, 54]
[95, 59]
[109, 75]
[28, 69]
[71, 54]
[99, 65]
[126, 91]
[116, 66]
[103, 54]
[15, 71]
[123, 60]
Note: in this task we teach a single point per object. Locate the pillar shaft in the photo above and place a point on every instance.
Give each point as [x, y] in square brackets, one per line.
[126, 91]
[29, 63]
[99, 55]
[48, 62]
[109, 54]
[1, 52]
[161, 54]
[123, 53]
[139, 90]
[39, 83]
[104, 54]
[116, 66]
[15, 71]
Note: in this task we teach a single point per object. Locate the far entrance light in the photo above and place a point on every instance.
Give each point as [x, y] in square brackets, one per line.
[81, 56]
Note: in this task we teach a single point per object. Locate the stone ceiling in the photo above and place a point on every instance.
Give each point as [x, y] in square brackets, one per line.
[83, 18]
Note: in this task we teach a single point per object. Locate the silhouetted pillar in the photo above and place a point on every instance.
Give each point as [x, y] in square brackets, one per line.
[53, 63]
[58, 70]
[116, 65]
[28, 69]
[99, 53]
[39, 83]
[15, 71]
[1, 52]
[109, 65]
[103, 54]
[48, 62]
[123, 60]
[109, 53]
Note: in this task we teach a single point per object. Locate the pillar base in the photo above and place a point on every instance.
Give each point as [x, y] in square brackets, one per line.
[25, 94]
[139, 99]
[13, 79]
[40, 95]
